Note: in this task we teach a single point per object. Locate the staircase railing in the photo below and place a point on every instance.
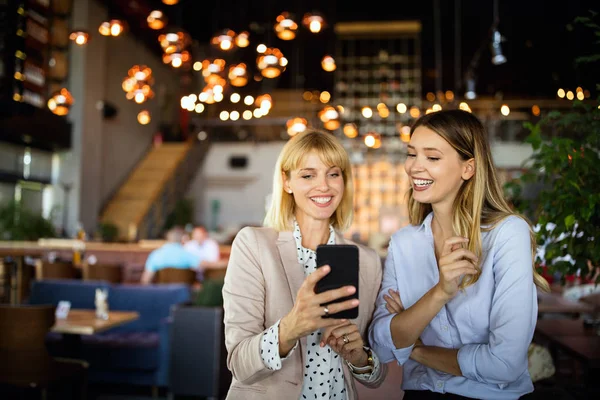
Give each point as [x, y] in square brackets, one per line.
[152, 222]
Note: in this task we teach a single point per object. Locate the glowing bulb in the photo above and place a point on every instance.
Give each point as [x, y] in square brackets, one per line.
[367, 112]
[505, 110]
[248, 100]
[143, 117]
[315, 26]
[570, 95]
[224, 115]
[401, 108]
[235, 97]
[561, 93]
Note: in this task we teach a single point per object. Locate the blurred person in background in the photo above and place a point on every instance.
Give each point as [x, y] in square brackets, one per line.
[170, 255]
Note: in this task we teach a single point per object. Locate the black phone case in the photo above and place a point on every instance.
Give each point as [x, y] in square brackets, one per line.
[343, 260]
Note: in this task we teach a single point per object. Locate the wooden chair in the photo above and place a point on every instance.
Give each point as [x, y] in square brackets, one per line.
[58, 270]
[176, 275]
[26, 364]
[112, 273]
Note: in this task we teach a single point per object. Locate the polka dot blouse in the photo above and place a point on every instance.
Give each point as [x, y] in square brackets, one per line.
[323, 374]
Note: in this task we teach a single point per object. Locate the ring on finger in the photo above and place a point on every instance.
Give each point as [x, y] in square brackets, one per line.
[326, 311]
[345, 338]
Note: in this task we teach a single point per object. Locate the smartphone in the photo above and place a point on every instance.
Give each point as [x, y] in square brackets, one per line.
[343, 260]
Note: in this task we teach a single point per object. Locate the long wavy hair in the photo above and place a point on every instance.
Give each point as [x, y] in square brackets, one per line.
[329, 149]
[480, 204]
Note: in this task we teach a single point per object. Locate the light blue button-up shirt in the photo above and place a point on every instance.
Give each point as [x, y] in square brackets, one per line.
[171, 255]
[490, 322]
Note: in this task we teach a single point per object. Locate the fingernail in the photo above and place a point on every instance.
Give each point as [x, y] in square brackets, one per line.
[351, 289]
[354, 302]
[325, 268]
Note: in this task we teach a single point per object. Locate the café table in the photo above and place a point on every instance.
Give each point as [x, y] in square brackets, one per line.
[554, 303]
[575, 339]
[84, 322]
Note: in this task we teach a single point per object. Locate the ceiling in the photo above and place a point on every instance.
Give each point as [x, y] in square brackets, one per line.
[539, 48]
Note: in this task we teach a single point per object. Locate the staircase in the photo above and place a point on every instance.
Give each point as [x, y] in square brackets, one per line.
[148, 196]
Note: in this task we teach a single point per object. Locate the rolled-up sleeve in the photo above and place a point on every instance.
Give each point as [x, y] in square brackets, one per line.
[380, 334]
[513, 311]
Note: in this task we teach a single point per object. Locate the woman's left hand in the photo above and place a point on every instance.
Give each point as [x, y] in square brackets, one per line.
[392, 302]
[346, 340]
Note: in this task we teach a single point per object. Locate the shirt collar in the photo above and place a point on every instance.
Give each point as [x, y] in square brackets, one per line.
[298, 235]
[426, 224]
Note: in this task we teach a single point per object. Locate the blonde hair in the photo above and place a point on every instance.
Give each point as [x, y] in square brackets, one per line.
[480, 200]
[332, 153]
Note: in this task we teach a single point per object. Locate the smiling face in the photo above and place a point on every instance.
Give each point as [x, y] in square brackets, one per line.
[317, 188]
[435, 169]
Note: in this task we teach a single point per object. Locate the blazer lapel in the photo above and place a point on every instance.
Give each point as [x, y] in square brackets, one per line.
[289, 259]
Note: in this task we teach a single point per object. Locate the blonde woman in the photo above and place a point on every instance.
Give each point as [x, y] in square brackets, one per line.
[279, 345]
[458, 303]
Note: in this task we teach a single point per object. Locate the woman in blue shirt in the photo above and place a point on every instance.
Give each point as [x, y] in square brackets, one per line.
[458, 302]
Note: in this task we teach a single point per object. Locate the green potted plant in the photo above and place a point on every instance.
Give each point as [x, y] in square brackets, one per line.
[108, 232]
[20, 223]
[566, 161]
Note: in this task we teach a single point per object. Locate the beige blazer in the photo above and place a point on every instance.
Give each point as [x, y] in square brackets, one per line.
[262, 280]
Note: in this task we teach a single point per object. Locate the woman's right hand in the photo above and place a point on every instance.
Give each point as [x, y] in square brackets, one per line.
[306, 315]
[454, 262]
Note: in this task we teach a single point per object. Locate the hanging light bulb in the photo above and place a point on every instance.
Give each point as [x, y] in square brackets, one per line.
[137, 84]
[114, 27]
[330, 118]
[286, 27]
[225, 40]
[470, 93]
[174, 41]
[373, 140]
[60, 102]
[156, 20]
[143, 117]
[242, 39]
[264, 102]
[170, 2]
[296, 126]
[176, 59]
[271, 63]
[328, 64]
[405, 133]
[314, 22]
[238, 75]
[350, 130]
[497, 56]
[80, 37]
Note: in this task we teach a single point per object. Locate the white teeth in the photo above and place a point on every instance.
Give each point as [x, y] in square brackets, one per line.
[422, 182]
[321, 200]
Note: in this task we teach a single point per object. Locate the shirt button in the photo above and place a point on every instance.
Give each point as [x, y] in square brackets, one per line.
[439, 385]
[445, 328]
